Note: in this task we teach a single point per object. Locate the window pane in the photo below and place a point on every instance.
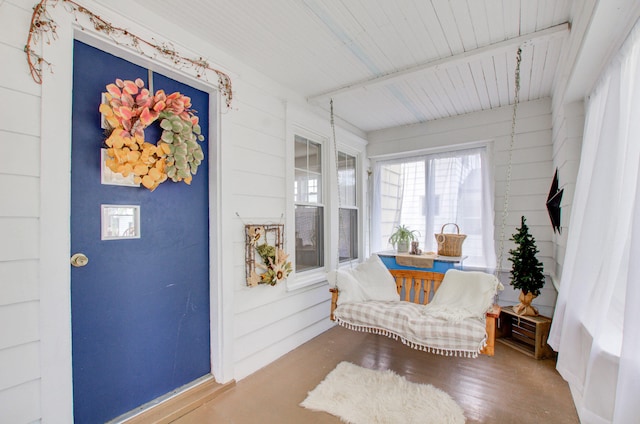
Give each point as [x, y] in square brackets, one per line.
[314, 157]
[309, 237]
[308, 171]
[348, 236]
[307, 187]
[458, 192]
[300, 153]
[314, 187]
[393, 179]
[300, 187]
[347, 179]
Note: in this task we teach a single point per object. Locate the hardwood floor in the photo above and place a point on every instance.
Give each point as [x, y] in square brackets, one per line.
[507, 388]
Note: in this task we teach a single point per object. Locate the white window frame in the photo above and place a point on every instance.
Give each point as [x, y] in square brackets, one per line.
[301, 279]
[303, 125]
[358, 206]
[488, 145]
[310, 192]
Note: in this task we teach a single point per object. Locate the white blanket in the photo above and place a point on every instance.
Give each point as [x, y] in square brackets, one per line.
[447, 313]
[463, 294]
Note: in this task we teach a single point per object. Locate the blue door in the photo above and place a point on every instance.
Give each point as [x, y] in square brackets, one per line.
[140, 307]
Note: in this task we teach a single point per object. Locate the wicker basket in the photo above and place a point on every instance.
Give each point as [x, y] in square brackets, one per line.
[450, 244]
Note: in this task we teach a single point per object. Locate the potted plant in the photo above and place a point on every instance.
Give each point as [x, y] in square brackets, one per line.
[402, 237]
[526, 272]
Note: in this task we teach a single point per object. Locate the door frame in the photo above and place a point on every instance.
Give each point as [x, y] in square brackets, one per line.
[55, 209]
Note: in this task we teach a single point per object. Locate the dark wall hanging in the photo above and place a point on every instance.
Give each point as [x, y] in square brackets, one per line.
[553, 204]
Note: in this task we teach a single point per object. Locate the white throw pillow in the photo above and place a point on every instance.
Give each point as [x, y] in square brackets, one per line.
[471, 291]
[370, 280]
[349, 289]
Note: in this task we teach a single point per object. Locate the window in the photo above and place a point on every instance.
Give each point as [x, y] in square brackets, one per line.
[426, 192]
[348, 211]
[309, 207]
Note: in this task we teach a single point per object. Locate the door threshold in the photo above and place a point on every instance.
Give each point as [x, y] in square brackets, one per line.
[175, 404]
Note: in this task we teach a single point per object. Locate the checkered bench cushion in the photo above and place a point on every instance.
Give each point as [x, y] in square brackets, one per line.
[406, 321]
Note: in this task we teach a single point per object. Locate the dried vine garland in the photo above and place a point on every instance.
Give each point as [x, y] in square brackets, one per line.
[43, 28]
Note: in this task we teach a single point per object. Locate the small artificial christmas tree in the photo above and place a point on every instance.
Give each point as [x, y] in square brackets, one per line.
[526, 272]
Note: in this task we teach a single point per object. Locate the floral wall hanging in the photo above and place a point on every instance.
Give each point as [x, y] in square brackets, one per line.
[129, 109]
[266, 241]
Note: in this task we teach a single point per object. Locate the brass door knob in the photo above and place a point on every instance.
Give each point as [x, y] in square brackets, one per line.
[79, 259]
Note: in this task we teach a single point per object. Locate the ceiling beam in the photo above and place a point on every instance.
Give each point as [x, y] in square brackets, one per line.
[489, 50]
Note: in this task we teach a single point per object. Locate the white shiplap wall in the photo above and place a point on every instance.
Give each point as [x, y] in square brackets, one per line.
[19, 211]
[568, 127]
[259, 324]
[531, 174]
[268, 321]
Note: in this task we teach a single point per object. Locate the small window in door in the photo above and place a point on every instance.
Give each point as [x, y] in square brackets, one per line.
[120, 222]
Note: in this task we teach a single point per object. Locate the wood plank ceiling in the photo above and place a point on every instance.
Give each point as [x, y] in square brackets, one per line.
[388, 63]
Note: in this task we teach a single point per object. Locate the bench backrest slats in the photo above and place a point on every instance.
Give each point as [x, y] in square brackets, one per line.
[416, 282]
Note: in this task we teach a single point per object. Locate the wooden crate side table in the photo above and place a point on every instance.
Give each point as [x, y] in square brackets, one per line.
[525, 333]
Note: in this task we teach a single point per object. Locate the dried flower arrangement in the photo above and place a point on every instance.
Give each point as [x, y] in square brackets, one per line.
[129, 109]
[274, 264]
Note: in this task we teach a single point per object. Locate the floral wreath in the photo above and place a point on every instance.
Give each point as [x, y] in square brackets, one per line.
[129, 109]
[275, 265]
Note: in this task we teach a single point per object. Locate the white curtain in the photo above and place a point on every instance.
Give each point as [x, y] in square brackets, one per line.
[426, 192]
[596, 325]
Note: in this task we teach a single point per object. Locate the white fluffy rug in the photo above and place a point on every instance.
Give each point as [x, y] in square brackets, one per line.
[362, 396]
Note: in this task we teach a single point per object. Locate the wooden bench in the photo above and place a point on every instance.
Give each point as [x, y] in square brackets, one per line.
[418, 287]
